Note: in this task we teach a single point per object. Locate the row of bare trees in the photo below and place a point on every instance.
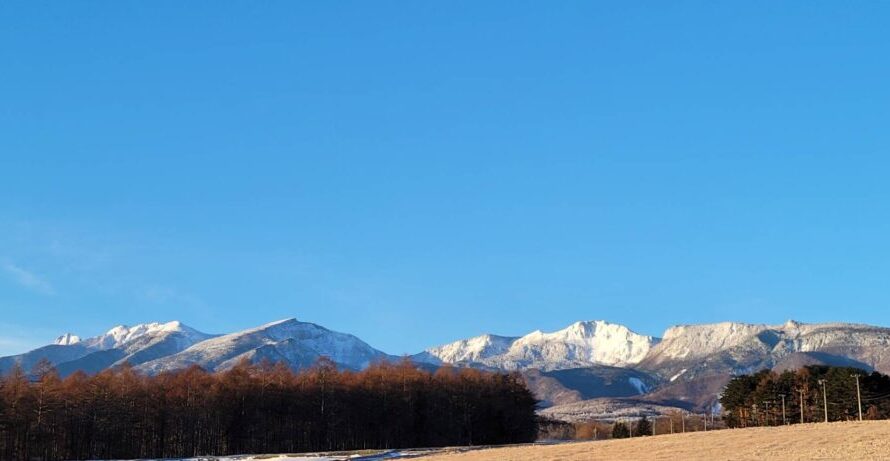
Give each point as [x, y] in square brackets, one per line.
[256, 409]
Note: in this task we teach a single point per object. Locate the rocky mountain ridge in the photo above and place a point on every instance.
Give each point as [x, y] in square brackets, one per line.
[580, 344]
[686, 368]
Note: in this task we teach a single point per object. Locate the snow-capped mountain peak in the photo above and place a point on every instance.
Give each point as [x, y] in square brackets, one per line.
[694, 341]
[121, 344]
[298, 344]
[123, 334]
[67, 339]
[692, 351]
[474, 349]
[592, 342]
[690, 341]
[583, 357]
[580, 344]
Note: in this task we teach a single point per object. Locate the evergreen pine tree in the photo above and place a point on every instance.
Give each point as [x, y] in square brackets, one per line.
[643, 427]
[620, 431]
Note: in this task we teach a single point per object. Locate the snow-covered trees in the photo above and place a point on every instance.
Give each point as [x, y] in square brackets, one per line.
[256, 409]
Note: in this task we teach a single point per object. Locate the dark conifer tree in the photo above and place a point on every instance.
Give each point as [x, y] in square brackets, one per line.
[620, 431]
[643, 427]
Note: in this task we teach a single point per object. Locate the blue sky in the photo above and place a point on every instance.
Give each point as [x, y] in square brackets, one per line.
[418, 172]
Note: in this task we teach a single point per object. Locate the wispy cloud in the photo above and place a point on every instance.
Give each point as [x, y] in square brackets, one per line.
[27, 279]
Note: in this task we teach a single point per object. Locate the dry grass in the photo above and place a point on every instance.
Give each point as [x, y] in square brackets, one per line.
[851, 440]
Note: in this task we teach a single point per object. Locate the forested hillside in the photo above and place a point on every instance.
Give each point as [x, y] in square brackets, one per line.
[769, 398]
[121, 414]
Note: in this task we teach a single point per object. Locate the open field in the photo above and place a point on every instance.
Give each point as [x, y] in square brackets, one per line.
[868, 440]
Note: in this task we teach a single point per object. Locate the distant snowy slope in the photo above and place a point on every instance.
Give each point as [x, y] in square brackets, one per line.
[475, 349]
[689, 365]
[298, 344]
[582, 361]
[579, 345]
[138, 336]
[607, 409]
[134, 345]
[691, 351]
[67, 339]
[54, 353]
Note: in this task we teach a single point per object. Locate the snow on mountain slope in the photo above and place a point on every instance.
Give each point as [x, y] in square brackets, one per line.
[578, 345]
[638, 384]
[595, 342]
[299, 344]
[54, 353]
[607, 409]
[690, 351]
[686, 353]
[66, 340]
[472, 350]
[120, 344]
[690, 364]
[136, 337]
[693, 341]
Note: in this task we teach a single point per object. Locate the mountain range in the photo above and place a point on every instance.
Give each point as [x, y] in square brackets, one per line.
[588, 369]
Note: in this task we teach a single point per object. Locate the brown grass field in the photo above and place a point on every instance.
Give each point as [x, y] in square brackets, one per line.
[868, 440]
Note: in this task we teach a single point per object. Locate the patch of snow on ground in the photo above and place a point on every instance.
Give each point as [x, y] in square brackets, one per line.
[678, 375]
[639, 385]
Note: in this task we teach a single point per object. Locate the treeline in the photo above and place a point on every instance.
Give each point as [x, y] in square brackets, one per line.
[756, 399]
[122, 414]
[674, 422]
[549, 429]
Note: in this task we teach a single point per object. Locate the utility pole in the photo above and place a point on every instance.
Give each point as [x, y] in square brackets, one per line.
[801, 405]
[824, 399]
[672, 423]
[683, 421]
[767, 410]
[705, 419]
[784, 420]
[858, 396]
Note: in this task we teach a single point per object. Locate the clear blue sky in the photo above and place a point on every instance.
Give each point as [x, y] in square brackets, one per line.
[418, 172]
